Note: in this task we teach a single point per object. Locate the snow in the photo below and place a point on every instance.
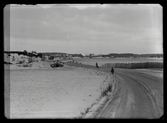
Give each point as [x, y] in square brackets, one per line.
[54, 93]
[156, 73]
[39, 91]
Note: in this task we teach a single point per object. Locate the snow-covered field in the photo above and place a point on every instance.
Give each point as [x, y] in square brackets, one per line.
[102, 61]
[54, 93]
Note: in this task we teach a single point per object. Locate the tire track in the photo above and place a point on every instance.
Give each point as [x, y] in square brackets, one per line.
[153, 106]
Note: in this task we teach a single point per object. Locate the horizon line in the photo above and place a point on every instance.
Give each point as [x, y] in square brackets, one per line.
[81, 53]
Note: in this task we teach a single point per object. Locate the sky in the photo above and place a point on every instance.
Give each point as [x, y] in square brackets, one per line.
[85, 28]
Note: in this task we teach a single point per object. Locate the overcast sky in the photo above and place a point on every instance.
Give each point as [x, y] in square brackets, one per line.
[86, 29]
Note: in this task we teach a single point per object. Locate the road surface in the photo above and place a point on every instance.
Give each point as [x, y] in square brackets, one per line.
[138, 95]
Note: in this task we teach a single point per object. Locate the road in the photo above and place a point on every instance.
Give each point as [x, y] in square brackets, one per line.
[138, 95]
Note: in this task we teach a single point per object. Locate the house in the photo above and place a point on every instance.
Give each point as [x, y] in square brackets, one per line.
[91, 55]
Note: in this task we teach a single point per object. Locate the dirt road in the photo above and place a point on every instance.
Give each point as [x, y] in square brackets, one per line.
[138, 95]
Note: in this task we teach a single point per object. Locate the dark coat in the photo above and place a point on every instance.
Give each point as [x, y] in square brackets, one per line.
[112, 70]
[97, 65]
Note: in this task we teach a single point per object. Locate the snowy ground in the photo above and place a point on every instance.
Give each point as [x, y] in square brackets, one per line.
[157, 73]
[54, 93]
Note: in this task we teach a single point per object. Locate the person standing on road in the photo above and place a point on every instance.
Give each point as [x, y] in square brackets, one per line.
[112, 70]
[97, 66]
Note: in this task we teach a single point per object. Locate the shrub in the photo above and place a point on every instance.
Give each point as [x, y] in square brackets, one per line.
[27, 65]
[40, 55]
[24, 52]
[7, 62]
[30, 59]
[43, 58]
[20, 62]
[51, 57]
[13, 58]
[108, 89]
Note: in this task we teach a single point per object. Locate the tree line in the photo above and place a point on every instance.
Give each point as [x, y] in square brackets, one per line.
[30, 54]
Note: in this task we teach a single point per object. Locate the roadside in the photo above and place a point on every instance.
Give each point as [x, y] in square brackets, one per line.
[102, 102]
[108, 91]
[138, 95]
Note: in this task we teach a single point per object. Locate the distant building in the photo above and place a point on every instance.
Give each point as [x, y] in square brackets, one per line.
[58, 55]
[91, 55]
[34, 52]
